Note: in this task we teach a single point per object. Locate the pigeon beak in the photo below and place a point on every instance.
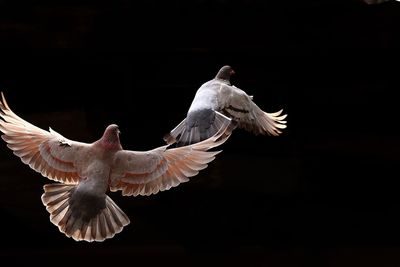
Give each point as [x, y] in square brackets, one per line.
[232, 72]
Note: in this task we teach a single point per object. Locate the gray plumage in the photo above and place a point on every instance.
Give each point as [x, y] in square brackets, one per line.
[217, 102]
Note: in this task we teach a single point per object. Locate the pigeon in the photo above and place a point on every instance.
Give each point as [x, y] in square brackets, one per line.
[215, 103]
[78, 204]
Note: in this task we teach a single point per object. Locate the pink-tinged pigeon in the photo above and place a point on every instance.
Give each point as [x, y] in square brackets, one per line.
[215, 103]
[78, 205]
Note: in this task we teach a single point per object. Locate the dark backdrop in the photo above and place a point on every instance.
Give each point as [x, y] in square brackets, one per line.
[325, 193]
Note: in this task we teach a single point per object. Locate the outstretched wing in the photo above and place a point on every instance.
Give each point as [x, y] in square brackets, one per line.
[146, 173]
[48, 153]
[236, 104]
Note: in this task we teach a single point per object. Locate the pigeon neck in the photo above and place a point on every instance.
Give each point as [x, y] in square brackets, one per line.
[228, 82]
[110, 141]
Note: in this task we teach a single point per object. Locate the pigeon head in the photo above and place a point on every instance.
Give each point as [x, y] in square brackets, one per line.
[110, 137]
[225, 73]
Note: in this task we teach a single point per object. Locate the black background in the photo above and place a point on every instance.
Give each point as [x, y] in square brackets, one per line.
[325, 193]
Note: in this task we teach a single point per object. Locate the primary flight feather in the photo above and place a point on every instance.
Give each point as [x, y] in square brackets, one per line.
[78, 205]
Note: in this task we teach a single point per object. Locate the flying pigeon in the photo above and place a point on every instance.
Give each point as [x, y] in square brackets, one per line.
[215, 103]
[78, 204]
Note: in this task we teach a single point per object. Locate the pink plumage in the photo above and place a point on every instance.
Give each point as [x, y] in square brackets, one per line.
[78, 204]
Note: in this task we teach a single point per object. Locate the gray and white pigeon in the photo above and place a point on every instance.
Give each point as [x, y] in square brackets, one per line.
[216, 102]
[78, 205]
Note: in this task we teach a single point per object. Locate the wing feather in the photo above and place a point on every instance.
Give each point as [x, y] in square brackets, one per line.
[236, 104]
[48, 153]
[168, 167]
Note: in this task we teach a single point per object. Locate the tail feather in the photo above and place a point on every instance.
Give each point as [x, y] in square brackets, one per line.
[105, 224]
[172, 136]
[199, 126]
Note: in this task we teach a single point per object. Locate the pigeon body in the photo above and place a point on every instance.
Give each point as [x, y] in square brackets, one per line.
[78, 205]
[215, 103]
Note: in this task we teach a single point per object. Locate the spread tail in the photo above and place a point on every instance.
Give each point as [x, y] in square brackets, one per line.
[77, 222]
[198, 126]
